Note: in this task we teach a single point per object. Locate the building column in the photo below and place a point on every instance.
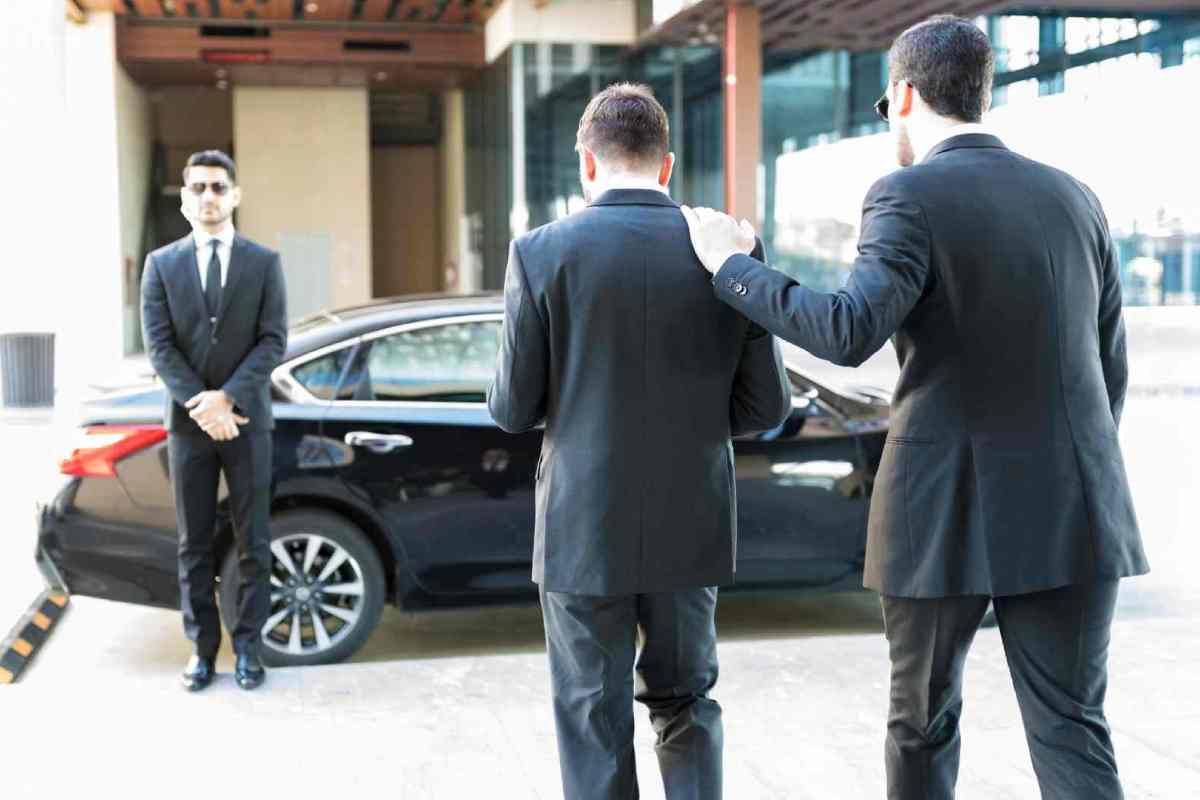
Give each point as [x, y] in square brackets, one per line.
[743, 110]
[304, 165]
[1052, 37]
[74, 123]
[458, 277]
[32, 118]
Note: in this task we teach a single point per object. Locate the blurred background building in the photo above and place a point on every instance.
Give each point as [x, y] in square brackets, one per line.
[395, 146]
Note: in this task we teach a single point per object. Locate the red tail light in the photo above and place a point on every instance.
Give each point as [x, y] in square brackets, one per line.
[105, 445]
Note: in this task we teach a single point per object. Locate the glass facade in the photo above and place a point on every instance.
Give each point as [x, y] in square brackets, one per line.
[1103, 98]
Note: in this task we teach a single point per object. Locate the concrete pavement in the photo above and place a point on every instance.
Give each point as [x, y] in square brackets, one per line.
[454, 705]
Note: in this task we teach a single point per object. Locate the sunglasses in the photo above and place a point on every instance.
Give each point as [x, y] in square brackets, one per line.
[881, 107]
[219, 188]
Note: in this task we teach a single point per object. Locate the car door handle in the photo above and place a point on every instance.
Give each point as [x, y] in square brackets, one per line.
[378, 442]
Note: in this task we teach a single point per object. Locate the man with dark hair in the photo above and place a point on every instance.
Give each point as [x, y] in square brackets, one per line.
[1001, 479]
[215, 327]
[635, 484]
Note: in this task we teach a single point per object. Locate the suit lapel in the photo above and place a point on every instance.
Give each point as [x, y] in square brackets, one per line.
[191, 275]
[237, 265]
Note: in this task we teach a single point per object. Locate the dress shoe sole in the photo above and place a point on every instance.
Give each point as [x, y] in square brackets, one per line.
[195, 686]
[249, 683]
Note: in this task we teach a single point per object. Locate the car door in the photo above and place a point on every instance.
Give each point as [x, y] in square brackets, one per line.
[455, 491]
[802, 497]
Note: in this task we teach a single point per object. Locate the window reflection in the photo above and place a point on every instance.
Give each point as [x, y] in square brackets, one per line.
[448, 363]
[1098, 97]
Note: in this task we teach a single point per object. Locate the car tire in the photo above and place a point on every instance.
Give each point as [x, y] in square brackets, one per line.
[324, 570]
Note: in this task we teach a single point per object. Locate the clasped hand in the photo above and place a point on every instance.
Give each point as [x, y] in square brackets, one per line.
[213, 412]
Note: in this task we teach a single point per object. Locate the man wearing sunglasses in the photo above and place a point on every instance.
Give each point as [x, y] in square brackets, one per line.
[1001, 479]
[215, 327]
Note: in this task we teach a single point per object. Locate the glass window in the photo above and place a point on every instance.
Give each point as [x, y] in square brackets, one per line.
[321, 375]
[452, 363]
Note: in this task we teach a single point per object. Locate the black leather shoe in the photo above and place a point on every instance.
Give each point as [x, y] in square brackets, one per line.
[198, 673]
[248, 671]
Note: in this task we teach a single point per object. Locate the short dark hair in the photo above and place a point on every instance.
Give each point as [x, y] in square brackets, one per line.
[211, 158]
[949, 61]
[624, 123]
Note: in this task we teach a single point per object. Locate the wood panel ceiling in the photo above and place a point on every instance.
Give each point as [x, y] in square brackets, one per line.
[387, 44]
[804, 25]
[440, 12]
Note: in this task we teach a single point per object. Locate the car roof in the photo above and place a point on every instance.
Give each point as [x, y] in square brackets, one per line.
[335, 325]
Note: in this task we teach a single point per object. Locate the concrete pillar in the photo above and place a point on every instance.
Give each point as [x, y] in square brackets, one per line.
[304, 164]
[32, 118]
[743, 110]
[518, 218]
[454, 196]
[76, 127]
[532, 21]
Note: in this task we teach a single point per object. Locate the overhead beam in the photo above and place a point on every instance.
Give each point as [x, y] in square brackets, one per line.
[187, 43]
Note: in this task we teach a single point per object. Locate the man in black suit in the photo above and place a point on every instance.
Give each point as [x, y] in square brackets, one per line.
[214, 323]
[1001, 478]
[613, 339]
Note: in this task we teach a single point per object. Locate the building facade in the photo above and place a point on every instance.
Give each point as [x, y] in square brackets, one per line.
[391, 147]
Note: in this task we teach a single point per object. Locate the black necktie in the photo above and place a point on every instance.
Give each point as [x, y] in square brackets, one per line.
[212, 282]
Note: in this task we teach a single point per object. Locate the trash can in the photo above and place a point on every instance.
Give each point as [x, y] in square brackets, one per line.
[27, 369]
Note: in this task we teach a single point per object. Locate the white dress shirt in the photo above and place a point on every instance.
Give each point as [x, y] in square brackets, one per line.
[204, 252]
[630, 182]
[954, 130]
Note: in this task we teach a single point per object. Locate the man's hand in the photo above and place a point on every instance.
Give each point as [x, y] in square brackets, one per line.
[717, 236]
[213, 412]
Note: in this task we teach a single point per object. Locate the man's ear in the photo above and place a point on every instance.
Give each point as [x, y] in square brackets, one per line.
[664, 171]
[589, 164]
[906, 94]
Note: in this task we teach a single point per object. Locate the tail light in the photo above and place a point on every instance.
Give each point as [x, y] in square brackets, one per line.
[104, 445]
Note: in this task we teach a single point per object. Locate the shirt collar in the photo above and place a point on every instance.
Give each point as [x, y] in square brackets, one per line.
[203, 238]
[951, 132]
[632, 182]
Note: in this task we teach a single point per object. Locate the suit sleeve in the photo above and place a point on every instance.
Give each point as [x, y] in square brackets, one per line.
[158, 333]
[517, 397]
[847, 326]
[270, 341]
[1112, 325]
[761, 397]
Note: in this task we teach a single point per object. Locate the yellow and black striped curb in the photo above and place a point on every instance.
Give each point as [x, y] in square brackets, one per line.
[22, 644]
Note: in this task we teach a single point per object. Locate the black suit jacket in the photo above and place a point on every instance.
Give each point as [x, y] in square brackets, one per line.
[612, 337]
[1001, 473]
[237, 354]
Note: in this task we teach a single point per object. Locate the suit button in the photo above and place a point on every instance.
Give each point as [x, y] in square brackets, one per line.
[738, 288]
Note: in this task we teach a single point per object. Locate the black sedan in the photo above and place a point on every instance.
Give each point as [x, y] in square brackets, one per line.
[392, 484]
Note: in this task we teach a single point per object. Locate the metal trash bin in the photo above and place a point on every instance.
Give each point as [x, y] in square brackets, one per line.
[27, 369]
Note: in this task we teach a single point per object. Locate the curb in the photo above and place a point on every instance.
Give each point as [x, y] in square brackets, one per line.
[30, 633]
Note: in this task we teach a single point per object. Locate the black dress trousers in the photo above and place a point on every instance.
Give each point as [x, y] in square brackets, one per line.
[592, 643]
[1056, 643]
[196, 462]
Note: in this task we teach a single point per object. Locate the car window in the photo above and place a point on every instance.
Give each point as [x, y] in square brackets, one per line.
[320, 376]
[453, 363]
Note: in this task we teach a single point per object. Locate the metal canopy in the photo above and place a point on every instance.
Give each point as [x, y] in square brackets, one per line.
[863, 25]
